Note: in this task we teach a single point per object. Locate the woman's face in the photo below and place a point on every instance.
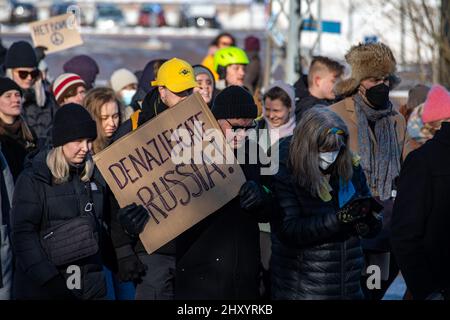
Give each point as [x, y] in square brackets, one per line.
[11, 103]
[276, 112]
[76, 151]
[109, 117]
[205, 86]
[25, 77]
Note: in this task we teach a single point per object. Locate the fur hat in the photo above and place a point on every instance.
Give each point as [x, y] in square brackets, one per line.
[366, 60]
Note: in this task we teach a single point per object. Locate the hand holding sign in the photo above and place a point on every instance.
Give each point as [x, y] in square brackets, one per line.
[144, 167]
[133, 218]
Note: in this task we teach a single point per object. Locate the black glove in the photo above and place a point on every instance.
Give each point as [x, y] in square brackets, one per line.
[354, 211]
[369, 226]
[252, 195]
[57, 288]
[131, 269]
[133, 219]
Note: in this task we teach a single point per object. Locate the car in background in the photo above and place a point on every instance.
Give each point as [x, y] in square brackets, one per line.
[59, 8]
[5, 11]
[14, 12]
[108, 15]
[151, 15]
[199, 16]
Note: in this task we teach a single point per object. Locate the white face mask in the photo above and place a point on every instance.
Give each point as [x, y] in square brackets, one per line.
[127, 96]
[327, 159]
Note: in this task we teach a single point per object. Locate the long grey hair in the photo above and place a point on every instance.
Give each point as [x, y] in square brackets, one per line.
[319, 130]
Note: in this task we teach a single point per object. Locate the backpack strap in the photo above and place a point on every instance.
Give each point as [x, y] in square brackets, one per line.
[134, 119]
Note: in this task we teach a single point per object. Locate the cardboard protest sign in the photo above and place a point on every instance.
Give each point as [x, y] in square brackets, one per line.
[144, 167]
[58, 33]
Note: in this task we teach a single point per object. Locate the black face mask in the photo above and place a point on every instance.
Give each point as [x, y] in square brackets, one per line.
[378, 96]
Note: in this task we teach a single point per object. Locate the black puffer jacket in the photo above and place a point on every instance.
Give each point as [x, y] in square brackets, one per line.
[39, 118]
[313, 255]
[36, 194]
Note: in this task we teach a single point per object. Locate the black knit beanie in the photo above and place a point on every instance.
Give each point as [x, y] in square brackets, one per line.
[20, 55]
[72, 122]
[234, 102]
[7, 84]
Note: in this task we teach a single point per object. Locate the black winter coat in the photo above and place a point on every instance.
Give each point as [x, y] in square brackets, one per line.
[421, 220]
[313, 255]
[35, 195]
[39, 118]
[218, 258]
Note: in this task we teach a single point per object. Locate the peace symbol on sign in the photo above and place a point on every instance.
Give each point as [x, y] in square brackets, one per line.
[57, 38]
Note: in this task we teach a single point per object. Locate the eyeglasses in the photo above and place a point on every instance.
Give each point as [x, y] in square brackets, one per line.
[24, 74]
[236, 127]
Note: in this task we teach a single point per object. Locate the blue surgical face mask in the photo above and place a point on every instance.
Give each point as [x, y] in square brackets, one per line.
[127, 96]
[326, 159]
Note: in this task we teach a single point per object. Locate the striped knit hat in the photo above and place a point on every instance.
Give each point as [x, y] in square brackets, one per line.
[65, 82]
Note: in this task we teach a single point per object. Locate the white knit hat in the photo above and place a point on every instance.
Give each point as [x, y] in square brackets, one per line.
[65, 82]
[122, 78]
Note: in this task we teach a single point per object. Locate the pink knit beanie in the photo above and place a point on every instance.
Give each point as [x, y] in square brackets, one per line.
[437, 105]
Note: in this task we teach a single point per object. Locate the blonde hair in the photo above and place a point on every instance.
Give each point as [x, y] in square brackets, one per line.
[94, 101]
[38, 87]
[59, 167]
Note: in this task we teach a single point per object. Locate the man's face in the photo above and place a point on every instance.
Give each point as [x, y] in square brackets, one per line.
[326, 84]
[78, 96]
[235, 75]
[171, 98]
[235, 130]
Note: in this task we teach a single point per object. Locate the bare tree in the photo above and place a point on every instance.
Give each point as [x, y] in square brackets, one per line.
[428, 23]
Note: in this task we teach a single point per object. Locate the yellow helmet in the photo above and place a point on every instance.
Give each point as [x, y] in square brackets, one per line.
[176, 75]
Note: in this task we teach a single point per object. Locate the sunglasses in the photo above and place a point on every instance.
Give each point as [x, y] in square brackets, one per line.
[233, 127]
[24, 74]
